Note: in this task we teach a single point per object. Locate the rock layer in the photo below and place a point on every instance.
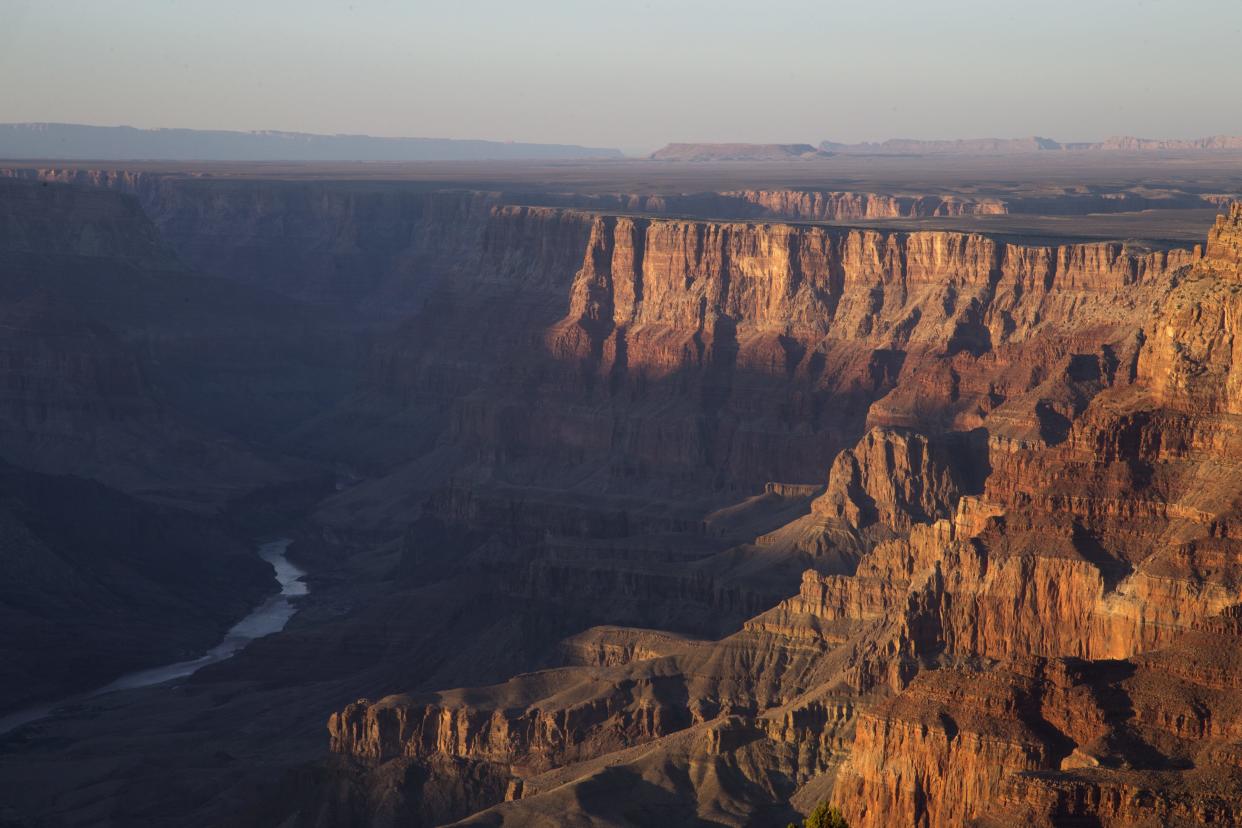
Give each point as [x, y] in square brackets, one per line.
[1036, 540]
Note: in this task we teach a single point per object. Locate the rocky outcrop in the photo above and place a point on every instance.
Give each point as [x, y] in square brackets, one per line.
[845, 206]
[899, 479]
[1146, 741]
[611, 646]
[1224, 244]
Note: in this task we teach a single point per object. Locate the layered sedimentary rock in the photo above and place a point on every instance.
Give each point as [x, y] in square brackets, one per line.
[100, 319]
[1052, 463]
[1004, 517]
[1224, 245]
[843, 206]
[797, 205]
[898, 479]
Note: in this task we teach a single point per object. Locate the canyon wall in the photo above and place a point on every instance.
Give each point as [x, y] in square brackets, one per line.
[1039, 508]
[1224, 245]
[996, 582]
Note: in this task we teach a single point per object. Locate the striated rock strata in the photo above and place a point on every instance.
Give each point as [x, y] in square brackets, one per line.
[1033, 615]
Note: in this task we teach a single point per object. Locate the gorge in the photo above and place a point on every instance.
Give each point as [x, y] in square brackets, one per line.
[627, 494]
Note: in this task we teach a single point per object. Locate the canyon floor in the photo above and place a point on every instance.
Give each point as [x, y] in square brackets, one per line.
[629, 493]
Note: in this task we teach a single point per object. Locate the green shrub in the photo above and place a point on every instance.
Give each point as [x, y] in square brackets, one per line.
[825, 816]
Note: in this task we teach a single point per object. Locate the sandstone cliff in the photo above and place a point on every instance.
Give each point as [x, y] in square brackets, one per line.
[1224, 245]
[993, 650]
[1004, 536]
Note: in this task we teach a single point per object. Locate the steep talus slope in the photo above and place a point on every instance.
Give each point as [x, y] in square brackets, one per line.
[1041, 513]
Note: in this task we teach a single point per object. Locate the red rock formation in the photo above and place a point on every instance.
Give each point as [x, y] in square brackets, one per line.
[1224, 244]
[844, 206]
[1055, 641]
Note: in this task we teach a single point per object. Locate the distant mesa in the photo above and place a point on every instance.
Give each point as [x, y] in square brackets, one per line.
[964, 146]
[961, 146]
[1129, 143]
[737, 152]
[122, 143]
[1011, 146]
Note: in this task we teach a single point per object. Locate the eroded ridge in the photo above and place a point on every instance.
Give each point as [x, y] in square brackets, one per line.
[1034, 614]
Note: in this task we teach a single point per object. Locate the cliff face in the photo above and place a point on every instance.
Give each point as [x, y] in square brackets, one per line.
[101, 320]
[702, 360]
[995, 581]
[1224, 245]
[371, 245]
[898, 479]
[1034, 524]
[856, 284]
[1023, 450]
[1111, 544]
[844, 206]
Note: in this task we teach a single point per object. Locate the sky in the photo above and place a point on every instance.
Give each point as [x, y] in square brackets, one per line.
[633, 75]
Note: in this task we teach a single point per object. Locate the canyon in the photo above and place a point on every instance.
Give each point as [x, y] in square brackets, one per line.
[659, 494]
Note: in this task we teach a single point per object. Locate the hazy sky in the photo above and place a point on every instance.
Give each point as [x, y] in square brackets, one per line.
[631, 74]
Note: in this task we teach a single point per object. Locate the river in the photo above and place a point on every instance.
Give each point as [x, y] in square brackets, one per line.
[269, 617]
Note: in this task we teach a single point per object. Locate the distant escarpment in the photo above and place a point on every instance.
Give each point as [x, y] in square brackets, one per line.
[736, 152]
[1002, 146]
[44, 140]
[848, 206]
